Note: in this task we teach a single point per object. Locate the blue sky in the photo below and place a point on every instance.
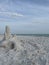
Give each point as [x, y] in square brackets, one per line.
[25, 16]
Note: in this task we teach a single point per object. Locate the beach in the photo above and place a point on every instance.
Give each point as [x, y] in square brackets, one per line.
[34, 51]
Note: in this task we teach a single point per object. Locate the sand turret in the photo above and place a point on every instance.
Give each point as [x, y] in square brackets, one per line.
[7, 34]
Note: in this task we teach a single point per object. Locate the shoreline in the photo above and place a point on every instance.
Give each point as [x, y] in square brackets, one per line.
[46, 35]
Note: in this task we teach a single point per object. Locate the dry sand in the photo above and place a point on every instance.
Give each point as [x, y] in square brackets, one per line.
[34, 51]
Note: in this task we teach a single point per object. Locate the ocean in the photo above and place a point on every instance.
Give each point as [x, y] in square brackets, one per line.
[45, 35]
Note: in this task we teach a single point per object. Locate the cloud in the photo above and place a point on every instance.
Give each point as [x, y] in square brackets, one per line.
[11, 14]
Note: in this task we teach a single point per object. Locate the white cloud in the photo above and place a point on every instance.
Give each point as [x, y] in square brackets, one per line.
[12, 14]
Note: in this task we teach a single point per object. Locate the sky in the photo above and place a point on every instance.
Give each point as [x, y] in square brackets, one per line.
[25, 16]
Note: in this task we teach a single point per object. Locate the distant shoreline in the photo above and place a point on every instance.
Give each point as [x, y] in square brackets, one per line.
[45, 35]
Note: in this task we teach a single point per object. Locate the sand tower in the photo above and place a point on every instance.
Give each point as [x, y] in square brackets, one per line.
[7, 34]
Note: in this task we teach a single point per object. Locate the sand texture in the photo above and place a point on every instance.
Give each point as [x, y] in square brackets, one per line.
[23, 50]
[28, 50]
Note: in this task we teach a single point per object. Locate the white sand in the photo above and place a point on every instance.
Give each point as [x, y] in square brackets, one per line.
[35, 51]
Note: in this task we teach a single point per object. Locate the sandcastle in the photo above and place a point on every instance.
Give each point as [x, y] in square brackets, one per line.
[9, 41]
